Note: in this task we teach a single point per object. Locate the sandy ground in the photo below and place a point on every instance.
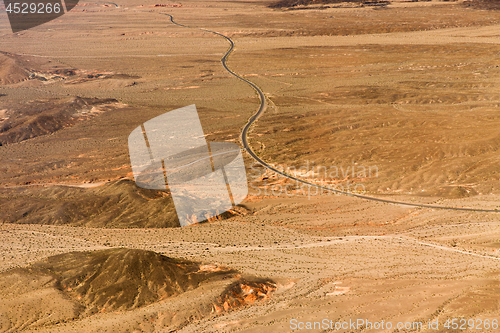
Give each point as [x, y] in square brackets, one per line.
[335, 258]
[331, 263]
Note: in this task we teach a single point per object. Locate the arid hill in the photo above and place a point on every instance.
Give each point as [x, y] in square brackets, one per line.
[116, 204]
[17, 68]
[483, 4]
[119, 203]
[42, 117]
[294, 3]
[11, 71]
[77, 285]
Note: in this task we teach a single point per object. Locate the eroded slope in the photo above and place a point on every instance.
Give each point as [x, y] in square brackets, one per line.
[77, 285]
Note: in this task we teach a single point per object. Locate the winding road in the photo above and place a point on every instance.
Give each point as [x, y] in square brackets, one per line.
[260, 111]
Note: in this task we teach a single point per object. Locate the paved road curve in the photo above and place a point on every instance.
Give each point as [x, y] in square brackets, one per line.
[253, 119]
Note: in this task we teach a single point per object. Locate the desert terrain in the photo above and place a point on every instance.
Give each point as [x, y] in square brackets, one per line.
[395, 101]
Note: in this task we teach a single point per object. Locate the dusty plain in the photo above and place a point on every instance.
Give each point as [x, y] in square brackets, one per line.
[398, 101]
